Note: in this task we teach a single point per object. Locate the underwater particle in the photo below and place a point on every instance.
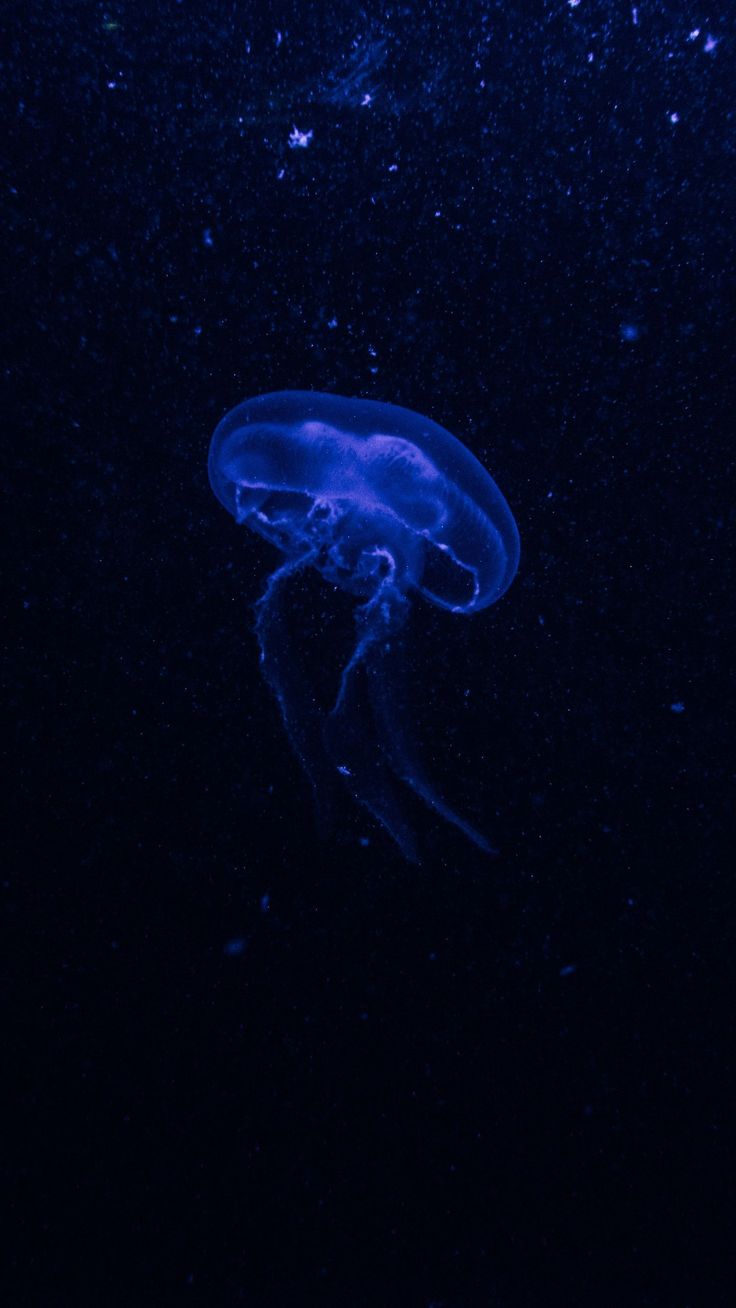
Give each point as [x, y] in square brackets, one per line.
[235, 947]
[629, 331]
[677, 707]
[299, 140]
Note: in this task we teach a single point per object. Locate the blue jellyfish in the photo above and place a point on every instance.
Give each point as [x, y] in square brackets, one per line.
[385, 504]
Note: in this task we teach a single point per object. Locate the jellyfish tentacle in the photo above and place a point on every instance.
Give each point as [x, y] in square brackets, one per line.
[281, 670]
[377, 619]
[366, 776]
[386, 683]
[362, 767]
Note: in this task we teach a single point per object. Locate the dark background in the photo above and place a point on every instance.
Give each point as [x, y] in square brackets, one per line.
[260, 1067]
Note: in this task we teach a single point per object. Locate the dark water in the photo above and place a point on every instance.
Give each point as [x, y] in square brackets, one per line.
[255, 1064]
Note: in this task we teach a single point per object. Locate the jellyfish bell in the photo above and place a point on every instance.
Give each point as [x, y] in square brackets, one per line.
[384, 503]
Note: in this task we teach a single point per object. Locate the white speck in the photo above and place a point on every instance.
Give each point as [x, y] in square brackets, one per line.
[674, 117]
[367, 99]
[344, 772]
[438, 213]
[710, 44]
[207, 237]
[678, 706]
[590, 57]
[332, 323]
[280, 174]
[635, 17]
[111, 86]
[372, 351]
[693, 36]
[573, 3]
[393, 168]
[299, 140]
[279, 39]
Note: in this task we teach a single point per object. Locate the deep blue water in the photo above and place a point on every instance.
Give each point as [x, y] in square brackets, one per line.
[256, 1056]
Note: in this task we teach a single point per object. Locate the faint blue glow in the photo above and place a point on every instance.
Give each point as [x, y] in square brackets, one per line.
[629, 331]
[235, 947]
[568, 971]
[678, 706]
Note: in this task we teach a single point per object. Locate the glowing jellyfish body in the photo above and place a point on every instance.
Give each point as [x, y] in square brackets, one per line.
[385, 504]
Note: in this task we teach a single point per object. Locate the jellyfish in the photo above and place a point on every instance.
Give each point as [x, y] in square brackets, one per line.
[387, 506]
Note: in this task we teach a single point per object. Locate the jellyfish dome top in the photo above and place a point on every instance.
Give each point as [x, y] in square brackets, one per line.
[386, 505]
